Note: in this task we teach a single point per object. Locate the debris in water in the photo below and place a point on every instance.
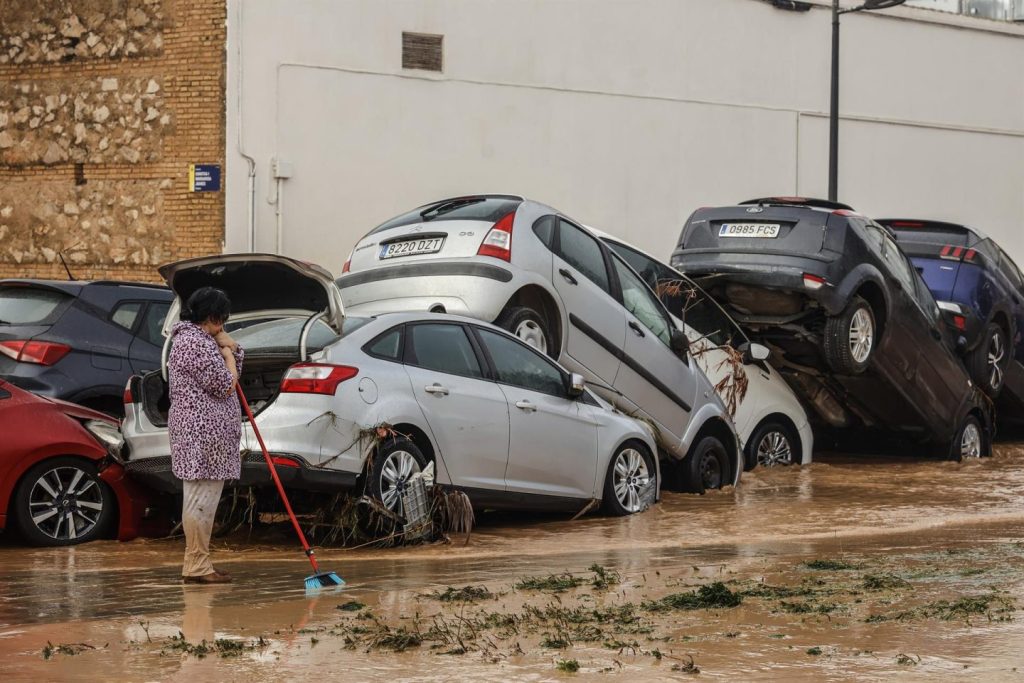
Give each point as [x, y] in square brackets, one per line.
[706, 597]
[568, 665]
[351, 606]
[829, 565]
[553, 582]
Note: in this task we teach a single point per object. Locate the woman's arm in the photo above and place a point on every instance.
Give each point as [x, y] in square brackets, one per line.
[209, 368]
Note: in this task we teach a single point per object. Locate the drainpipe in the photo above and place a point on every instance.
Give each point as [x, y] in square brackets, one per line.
[282, 171]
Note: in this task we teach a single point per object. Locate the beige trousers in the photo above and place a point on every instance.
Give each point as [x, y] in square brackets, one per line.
[198, 509]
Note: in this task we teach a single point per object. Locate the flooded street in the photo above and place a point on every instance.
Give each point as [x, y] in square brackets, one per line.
[850, 568]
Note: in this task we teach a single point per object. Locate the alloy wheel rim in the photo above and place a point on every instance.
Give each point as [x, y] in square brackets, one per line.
[530, 332]
[970, 442]
[399, 467]
[774, 449]
[630, 477]
[711, 471]
[65, 503]
[996, 353]
[861, 335]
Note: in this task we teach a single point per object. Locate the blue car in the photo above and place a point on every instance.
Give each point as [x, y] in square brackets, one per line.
[80, 341]
[981, 293]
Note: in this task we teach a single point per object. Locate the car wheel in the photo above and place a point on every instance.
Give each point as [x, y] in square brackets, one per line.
[706, 467]
[62, 501]
[772, 444]
[528, 326]
[630, 472]
[989, 360]
[850, 338]
[970, 441]
[394, 463]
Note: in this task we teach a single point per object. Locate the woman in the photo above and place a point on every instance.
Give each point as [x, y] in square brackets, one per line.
[204, 422]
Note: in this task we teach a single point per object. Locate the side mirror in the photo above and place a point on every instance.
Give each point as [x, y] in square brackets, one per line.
[754, 353]
[679, 343]
[576, 385]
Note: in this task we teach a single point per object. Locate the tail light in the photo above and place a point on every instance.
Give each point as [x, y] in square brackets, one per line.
[315, 378]
[498, 242]
[960, 322]
[951, 253]
[40, 353]
[348, 265]
[814, 281]
[283, 461]
[126, 397]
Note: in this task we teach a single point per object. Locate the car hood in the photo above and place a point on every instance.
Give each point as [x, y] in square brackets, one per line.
[258, 285]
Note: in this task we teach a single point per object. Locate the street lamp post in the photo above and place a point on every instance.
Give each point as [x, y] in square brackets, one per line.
[833, 117]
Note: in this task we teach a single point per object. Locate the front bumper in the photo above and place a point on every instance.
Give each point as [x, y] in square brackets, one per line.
[157, 474]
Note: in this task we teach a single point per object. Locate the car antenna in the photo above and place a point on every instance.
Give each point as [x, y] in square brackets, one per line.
[70, 276]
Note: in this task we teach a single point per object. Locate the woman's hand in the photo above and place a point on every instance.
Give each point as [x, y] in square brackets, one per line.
[229, 360]
[224, 341]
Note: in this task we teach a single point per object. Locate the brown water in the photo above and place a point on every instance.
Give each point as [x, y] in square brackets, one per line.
[950, 529]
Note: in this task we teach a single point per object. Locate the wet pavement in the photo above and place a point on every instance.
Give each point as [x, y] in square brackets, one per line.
[947, 531]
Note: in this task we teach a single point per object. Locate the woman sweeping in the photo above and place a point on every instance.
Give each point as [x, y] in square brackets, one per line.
[204, 422]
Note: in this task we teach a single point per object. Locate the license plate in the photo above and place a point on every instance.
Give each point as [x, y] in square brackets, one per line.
[429, 245]
[768, 230]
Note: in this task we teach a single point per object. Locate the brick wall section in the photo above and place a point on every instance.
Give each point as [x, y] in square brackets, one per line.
[134, 211]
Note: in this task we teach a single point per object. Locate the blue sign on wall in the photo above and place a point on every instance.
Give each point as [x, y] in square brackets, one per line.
[204, 178]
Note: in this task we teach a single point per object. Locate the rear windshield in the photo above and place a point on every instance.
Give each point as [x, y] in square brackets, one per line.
[27, 305]
[281, 335]
[487, 209]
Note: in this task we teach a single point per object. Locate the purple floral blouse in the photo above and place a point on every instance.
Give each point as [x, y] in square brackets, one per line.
[204, 422]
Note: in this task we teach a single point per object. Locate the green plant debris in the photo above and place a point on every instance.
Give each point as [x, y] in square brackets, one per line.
[351, 606]
[397, 640]
[829, 565]
[972, 571]
[814, 651]
[712, 596]
[689, 667]
[570, 666]
[553, 582]
[878, 582]
[70, 649]
[603, 577]
[992, 606]
[222, 647]
[555, 642]
[466, 594]
[764, 590]
[907, 660]
[808, 607]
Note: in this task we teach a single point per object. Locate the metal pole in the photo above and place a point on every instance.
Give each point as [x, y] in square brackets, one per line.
[833, 118]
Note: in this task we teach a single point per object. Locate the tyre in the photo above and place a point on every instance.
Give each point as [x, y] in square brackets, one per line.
[529, 326]
[706, 467]
[969, 442]
[394, 462]
[989, 360]
[62, 501]
[772, 444]
[850, 338]
[630, 472]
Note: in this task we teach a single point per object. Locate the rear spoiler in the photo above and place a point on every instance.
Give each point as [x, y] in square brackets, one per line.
[799, 201]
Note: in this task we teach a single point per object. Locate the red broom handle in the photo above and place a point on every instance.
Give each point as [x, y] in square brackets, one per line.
[277, 480]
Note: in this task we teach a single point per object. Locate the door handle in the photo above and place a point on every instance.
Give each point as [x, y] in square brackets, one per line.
[568, 276]
[436, 388]
[526, 405]
[636, 328]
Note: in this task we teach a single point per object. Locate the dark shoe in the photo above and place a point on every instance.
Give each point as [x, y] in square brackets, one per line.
[212, 577]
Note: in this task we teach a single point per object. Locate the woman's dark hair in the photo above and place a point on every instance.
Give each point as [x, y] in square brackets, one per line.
[207, 303]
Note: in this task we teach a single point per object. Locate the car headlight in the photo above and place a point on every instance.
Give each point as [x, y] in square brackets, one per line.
[107, 434]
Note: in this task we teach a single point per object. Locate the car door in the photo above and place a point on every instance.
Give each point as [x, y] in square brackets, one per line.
[144, 353]
[466, 412]
[657, 379]
[552, 438]
[596, 323]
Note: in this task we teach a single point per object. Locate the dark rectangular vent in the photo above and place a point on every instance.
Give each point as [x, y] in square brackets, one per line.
[422, 51]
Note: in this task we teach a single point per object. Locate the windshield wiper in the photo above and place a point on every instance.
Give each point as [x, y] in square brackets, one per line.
[450, 205]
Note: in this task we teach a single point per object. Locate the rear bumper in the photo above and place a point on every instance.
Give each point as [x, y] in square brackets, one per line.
[157, 474]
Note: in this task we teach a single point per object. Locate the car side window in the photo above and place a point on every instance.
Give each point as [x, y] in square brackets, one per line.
[521, 366]
[387, 346]
[641, 302]
[126, 314]
[443, 347]
[153, 323]
[583, 253]
[544, 228]
[898, 264]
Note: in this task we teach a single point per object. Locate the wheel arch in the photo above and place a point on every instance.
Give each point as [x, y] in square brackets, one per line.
[787, 421]
[873, 292]
[717, 427]
[540, 299]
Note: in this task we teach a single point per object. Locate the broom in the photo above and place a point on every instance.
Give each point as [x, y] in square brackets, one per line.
[319, 579]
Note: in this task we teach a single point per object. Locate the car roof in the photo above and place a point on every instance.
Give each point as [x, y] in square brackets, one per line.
[809, 202]
[910, 224]
[74, 287]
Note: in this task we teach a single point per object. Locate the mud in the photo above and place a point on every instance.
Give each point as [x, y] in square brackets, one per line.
[851, 568]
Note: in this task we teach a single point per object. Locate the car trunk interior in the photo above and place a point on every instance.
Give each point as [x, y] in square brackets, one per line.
[260, 380]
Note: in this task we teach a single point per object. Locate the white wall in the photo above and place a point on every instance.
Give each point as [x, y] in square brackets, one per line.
[626, 114]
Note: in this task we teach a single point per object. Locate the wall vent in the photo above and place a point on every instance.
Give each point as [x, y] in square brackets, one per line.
[422, 51]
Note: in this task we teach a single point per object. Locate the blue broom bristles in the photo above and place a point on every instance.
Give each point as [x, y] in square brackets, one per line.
[323, 580]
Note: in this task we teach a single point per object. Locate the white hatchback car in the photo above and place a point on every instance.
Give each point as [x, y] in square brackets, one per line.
[549, 281]
[501, 421]
[769, 418]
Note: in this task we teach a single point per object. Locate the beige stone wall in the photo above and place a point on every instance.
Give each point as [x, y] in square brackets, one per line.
[103, 106]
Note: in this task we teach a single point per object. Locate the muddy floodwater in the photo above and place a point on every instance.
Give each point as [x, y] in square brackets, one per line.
[852, 568]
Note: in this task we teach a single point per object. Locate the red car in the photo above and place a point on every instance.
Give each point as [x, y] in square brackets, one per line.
[59, 484]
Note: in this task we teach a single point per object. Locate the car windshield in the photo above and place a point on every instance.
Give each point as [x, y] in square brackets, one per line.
[25, 305]
[487, 209]
[282, 335]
